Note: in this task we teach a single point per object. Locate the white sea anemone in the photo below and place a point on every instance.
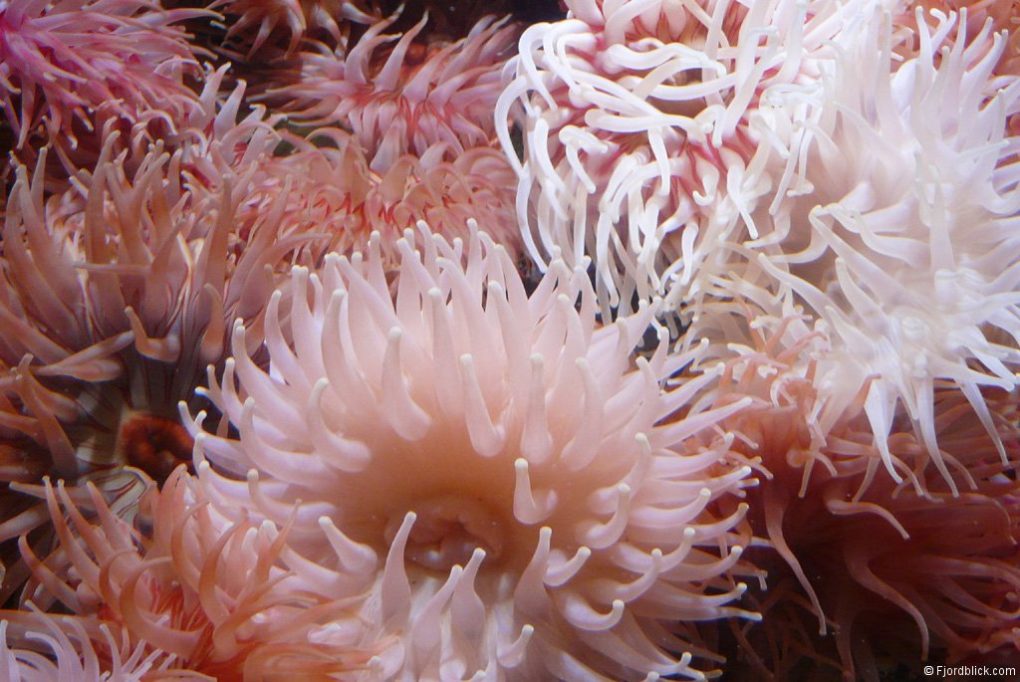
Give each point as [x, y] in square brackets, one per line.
[901, 248]
[517, 497]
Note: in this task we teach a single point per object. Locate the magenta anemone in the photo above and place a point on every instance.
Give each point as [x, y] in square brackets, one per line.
[71, 65]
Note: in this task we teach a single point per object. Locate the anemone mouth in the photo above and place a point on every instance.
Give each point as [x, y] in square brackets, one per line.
[157, 445]
[461, 503]
[447, 531]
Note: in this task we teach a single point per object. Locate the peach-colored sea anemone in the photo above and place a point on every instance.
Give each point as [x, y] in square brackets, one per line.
[515, 495]
[648, 130]
[401, 93]
[184, 586]
[328, 189]
[71, 65]
[927, 575]
[899, 249]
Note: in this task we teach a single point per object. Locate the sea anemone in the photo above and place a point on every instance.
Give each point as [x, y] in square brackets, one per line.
[73, 65]
[403, 93]
[269, 18]
[183, 586]
[328, 189]
[647, 131]
[512, 492]
[90, 298]
[849, 548]
[901, 256]
[52, 647]
[1005, 16]
[115, 296]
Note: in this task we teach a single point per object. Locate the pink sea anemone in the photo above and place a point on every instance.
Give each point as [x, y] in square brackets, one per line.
[71, 65]
[404, 92]
[61, 648]
[511, 492]
[183, 587]
[295, 18]
[91, 298]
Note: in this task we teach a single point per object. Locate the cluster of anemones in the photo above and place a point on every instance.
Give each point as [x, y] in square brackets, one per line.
[824, 192]
[348, 340]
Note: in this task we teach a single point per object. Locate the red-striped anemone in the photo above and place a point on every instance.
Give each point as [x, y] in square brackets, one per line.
[648, 135]
[258, 24]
